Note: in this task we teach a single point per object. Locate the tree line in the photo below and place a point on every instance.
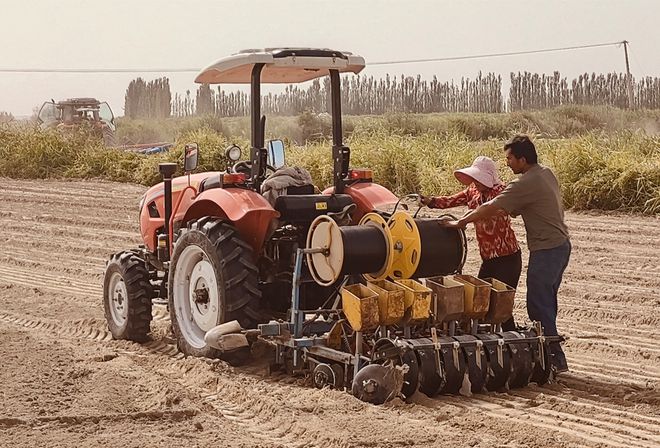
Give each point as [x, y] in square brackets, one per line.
[366, 95]
[151, 99]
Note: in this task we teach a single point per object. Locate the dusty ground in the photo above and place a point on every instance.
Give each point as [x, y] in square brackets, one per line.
[63, 382]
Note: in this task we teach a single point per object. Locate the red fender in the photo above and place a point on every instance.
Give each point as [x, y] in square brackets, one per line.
[368, 197]
[248, 210]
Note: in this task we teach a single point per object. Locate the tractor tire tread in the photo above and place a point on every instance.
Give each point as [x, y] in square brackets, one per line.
[240, 284]
[139, 290]
[233, 248]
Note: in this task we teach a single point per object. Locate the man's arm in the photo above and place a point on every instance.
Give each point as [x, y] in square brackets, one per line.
[484, 211]
[513, 199]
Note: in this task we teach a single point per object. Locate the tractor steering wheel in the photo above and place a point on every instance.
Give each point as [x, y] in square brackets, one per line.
[245, 167]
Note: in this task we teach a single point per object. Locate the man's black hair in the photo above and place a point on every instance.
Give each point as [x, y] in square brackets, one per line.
[521, 146]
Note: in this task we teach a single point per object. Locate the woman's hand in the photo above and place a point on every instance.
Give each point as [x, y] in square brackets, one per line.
[424, 200]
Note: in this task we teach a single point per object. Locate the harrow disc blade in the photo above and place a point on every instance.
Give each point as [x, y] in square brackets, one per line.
[431, 377]
[400, 356]
[454, 363]
[499, 362]
[522, 359]
[411, 377]
[377, 384]
[542, 369]
[326, 375]
[477, 363]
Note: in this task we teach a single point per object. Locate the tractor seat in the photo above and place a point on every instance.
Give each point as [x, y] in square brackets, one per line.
[301, 190]
[306, 207]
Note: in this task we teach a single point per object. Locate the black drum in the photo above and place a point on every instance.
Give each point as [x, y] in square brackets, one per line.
[443, 249]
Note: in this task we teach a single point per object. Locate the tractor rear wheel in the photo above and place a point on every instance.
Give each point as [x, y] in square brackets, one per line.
[127, 295]
[212, 280]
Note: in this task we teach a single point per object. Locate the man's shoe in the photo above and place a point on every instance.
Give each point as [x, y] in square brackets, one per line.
[558, 363]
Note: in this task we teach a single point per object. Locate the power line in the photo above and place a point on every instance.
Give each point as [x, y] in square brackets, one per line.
[195, 70]
[640, 69]
[495, 55]
[99, 70]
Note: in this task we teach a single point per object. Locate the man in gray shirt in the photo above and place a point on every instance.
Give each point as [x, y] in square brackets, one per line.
[535, 195]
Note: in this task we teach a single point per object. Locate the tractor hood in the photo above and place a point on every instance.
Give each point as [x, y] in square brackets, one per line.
[281, 66]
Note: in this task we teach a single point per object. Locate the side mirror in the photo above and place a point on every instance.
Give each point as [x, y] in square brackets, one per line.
[276, 153]
[191, 156]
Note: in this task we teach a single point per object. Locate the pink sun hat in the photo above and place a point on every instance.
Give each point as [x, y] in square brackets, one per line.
[483, 170]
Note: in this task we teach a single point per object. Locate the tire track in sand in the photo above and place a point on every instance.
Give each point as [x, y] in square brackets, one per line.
[246, 417]
[617, 431]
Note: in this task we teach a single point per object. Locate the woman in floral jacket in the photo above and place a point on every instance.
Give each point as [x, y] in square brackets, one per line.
[499, 249]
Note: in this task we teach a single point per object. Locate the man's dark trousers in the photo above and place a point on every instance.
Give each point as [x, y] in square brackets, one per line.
[544, 274]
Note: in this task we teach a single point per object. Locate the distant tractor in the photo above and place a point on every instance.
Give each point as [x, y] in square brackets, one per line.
[74, 113]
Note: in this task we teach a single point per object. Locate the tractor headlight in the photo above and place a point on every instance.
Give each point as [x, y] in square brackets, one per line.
[233, 153]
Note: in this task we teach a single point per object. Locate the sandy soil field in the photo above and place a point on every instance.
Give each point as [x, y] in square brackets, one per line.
[65, 383]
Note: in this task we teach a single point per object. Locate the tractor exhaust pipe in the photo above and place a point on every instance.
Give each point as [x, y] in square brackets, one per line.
[167, 171]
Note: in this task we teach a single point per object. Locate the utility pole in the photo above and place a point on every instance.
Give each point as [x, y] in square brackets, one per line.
[628, 76]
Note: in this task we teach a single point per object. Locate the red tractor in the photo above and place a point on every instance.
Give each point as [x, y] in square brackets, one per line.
[74, 113]
[224, 254]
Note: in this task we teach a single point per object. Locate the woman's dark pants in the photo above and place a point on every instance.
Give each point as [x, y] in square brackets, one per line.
[506, 269]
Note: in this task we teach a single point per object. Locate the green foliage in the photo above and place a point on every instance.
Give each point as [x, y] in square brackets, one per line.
[565, 121]
[596, 171]
[131, 132]
[27, 152]
[30, 152]
[314, 127]
[611, 172]
[612, 161]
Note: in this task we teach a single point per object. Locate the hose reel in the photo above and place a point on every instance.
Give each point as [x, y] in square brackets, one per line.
[365, 248]
[400, 248]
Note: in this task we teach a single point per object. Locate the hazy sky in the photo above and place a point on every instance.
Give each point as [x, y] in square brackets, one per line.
[47, 34]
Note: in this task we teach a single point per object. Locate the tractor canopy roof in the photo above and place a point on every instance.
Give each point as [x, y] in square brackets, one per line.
[281, 65]
[80, 102]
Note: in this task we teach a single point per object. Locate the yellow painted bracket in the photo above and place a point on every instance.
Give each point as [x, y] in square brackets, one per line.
[407, 245]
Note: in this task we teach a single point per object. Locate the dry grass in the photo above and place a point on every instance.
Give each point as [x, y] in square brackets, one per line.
[615, 170]
[619, 171]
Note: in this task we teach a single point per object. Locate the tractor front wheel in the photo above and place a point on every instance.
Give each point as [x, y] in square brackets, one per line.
[212, 280]
[127, 294]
